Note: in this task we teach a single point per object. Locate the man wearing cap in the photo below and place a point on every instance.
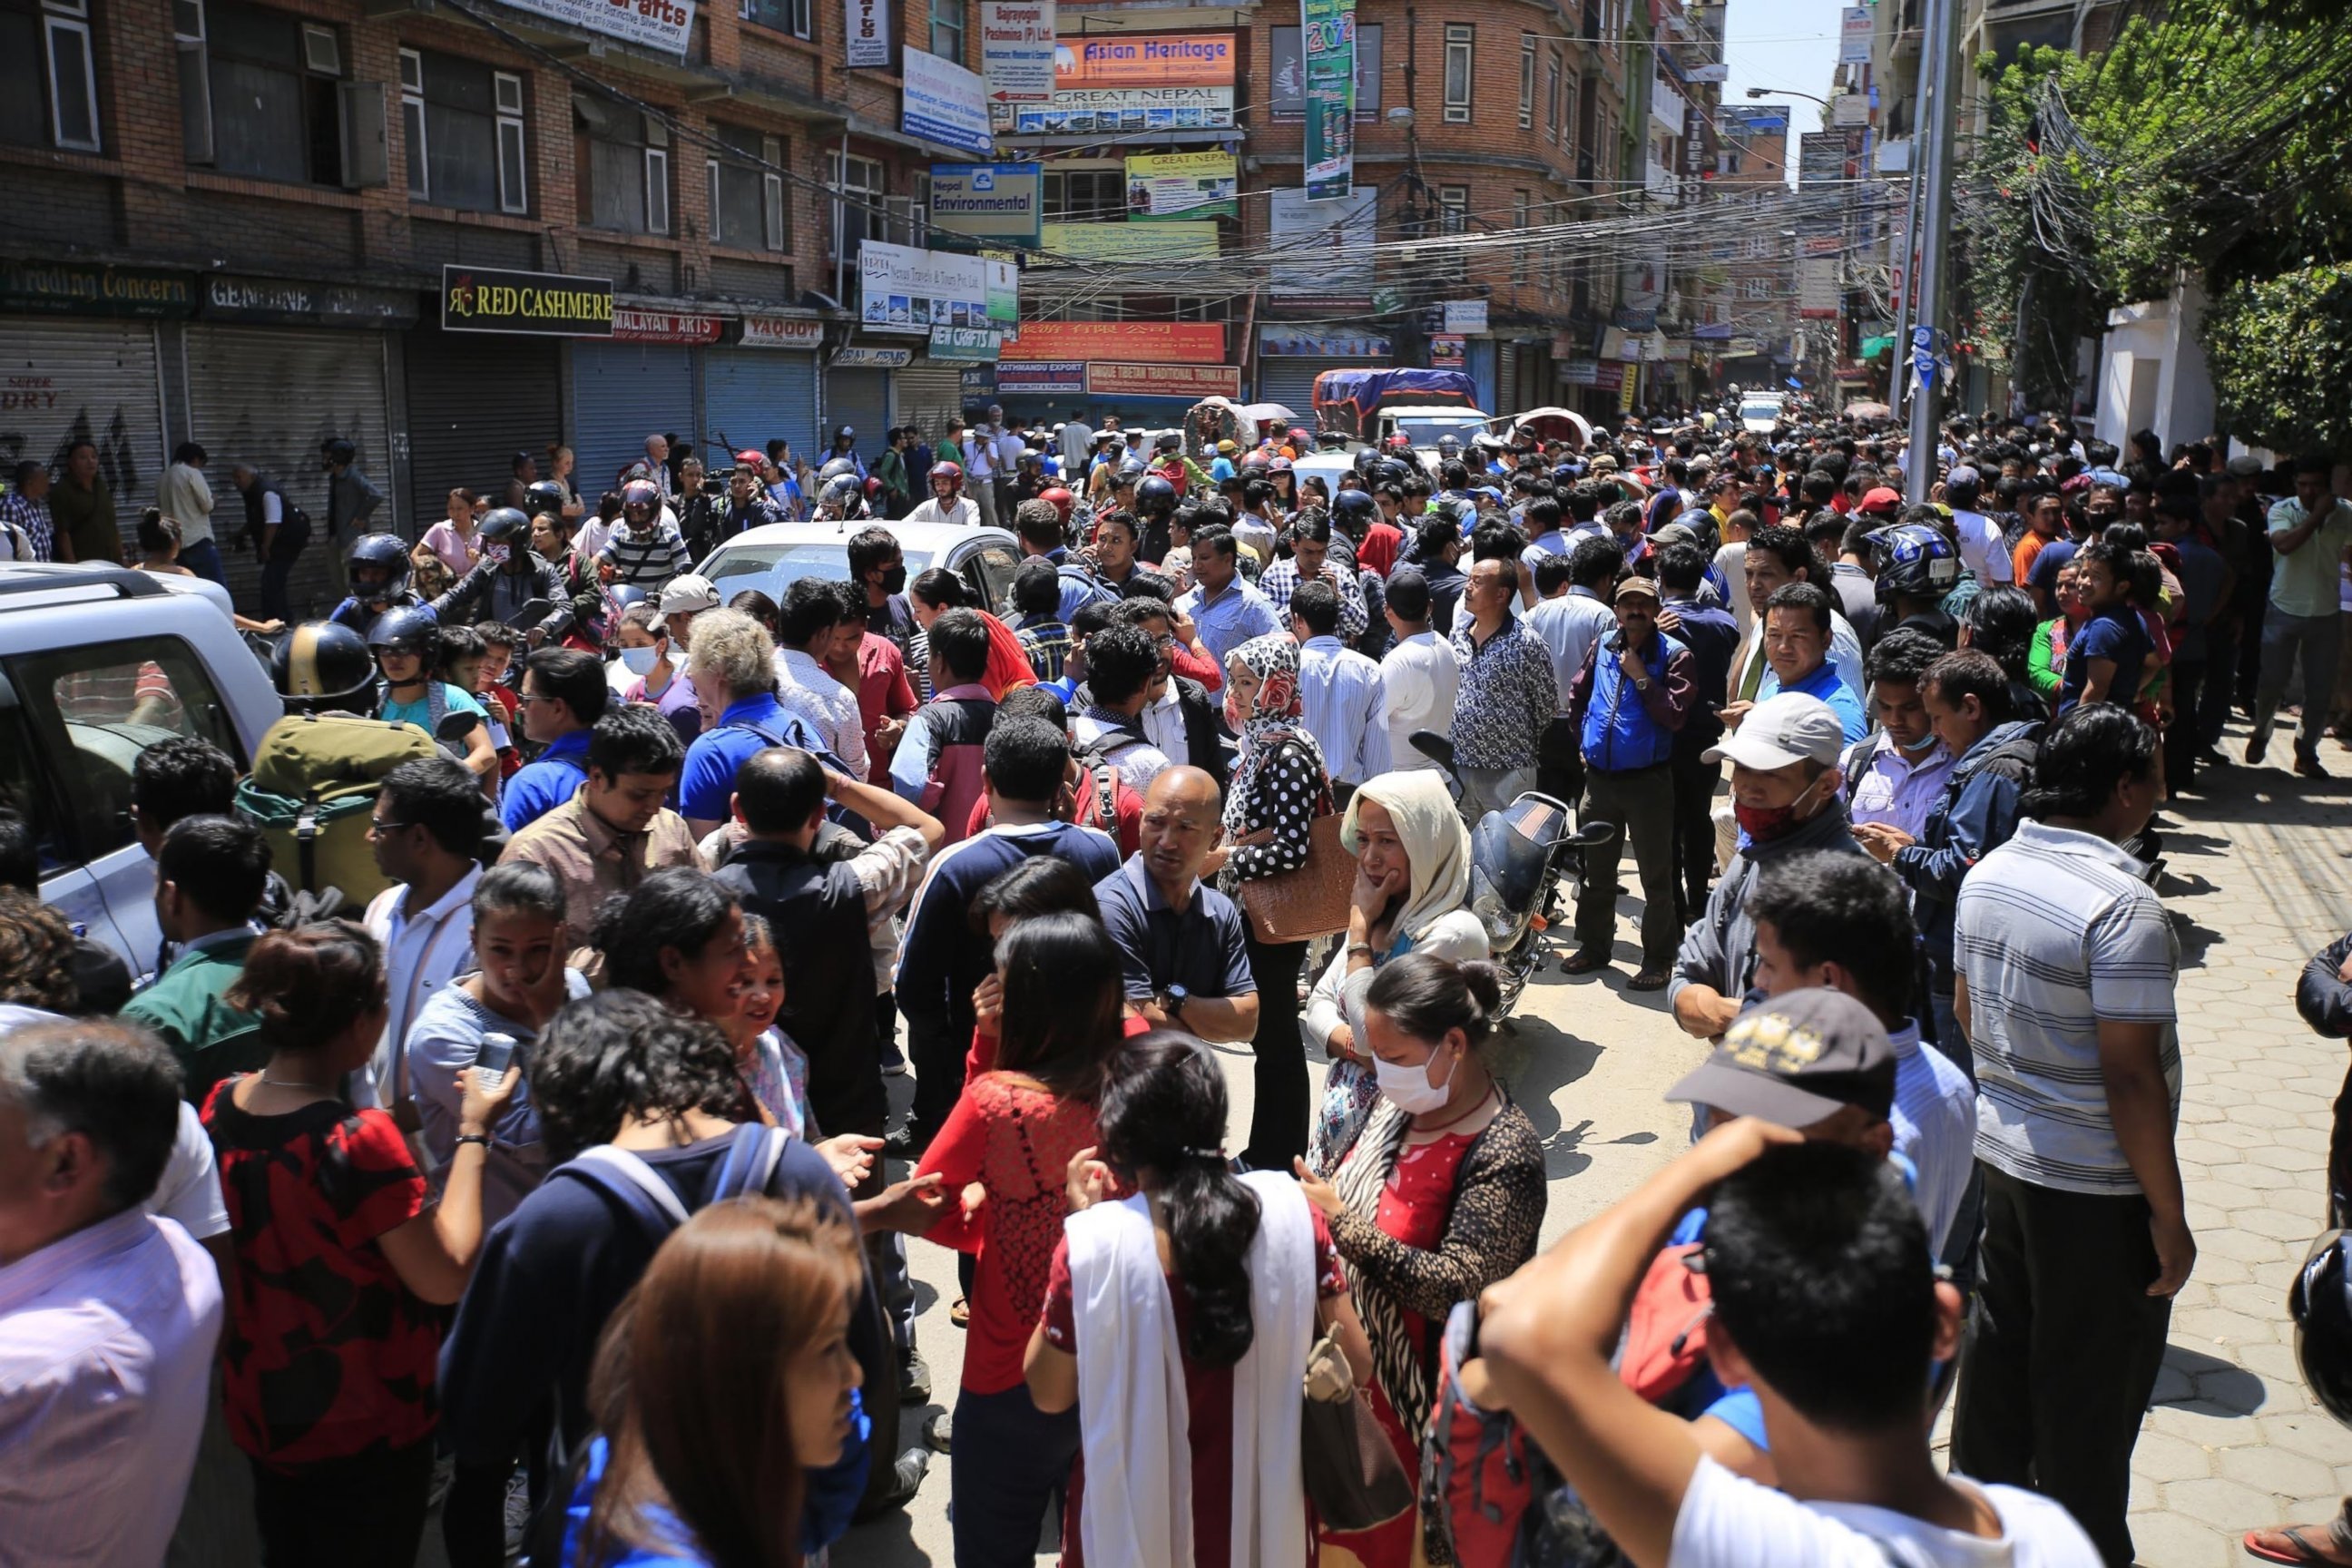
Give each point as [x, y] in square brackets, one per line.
[1880, 503]
[1784, 798]
[1628, 700]
[1221, 467]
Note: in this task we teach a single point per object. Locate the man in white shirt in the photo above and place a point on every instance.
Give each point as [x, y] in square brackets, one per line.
[980, 471]
[186, 499]
[428, 825]
[1982, 549]
[1338, 690]
[804, 626]
[1420, 675]
[948, 503]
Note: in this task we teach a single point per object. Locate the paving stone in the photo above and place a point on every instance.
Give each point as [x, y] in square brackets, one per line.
[2166, 1540]
[2280, 1471]
[2309, 1433]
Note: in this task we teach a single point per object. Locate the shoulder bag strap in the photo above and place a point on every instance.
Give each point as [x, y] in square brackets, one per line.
[634, 1183]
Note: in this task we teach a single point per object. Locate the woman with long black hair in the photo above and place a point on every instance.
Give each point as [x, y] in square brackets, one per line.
[1233, 1275]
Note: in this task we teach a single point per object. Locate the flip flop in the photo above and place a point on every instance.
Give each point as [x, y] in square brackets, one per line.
[2304, 1551]
[1650, 980]
[1584, 960]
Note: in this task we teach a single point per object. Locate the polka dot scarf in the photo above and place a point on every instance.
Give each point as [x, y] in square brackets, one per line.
[1273, 719]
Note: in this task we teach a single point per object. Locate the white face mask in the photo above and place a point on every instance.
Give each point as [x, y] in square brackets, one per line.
[640, 661]
[1409, 1088]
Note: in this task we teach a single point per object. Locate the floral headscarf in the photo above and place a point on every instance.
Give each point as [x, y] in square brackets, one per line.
[1273, 718]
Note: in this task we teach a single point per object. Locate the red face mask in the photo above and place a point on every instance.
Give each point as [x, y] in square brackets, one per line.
[1763, 824]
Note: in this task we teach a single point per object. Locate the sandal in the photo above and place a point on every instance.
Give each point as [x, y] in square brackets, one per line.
[1650, 980]
[1584, 960]
[2301, 1549]
[960, 1313]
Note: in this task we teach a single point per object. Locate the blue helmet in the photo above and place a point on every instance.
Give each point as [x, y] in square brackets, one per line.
[1914, 559]
[378, 566]
[406, 629]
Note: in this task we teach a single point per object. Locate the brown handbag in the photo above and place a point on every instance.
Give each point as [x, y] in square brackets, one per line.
[1312, 902]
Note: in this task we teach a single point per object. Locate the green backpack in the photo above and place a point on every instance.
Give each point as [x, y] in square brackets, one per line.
[312, 794]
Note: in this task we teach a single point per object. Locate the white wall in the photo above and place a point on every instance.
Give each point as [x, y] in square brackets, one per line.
[2152, 372]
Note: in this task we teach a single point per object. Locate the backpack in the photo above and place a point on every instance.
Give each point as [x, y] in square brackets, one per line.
[312, 794]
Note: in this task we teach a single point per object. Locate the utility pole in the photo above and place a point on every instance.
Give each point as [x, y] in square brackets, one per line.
[1939, 51]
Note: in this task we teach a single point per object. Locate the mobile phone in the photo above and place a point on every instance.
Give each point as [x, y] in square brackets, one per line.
[491, 1066]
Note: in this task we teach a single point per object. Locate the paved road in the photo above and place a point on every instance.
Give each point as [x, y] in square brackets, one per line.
[2260, 877]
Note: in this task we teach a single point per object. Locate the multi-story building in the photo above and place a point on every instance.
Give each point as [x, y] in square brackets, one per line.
[1752, 345]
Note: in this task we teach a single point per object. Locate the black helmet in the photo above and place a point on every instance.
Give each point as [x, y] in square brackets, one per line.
[322, 664]
[844, 433]
[1167, 441]
[408, 629]
[1915, 560]
[384, 557]
[1389, 471]
[2320, 1300]
[545, 498]
[504, 525]
[1155, 499]
[1364, 462]
[1355, 510]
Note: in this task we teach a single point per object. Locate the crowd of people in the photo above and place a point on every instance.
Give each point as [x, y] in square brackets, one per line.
[533, 1185]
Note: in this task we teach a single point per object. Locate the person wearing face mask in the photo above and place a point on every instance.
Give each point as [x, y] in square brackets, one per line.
[507, 579]
[656, 670]
[1785, 799]
[1440, 1195]
[1894, 776]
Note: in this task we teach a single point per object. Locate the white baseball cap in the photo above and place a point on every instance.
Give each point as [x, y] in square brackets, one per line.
[685, 595]
[1789, 728]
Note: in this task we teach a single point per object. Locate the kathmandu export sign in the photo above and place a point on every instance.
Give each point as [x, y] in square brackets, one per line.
[1111, 378]
[1157, 342]
[1131, 81]
[478, 299]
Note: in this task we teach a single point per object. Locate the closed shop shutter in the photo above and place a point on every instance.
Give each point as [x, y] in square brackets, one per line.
[861, 400]
[753, 396]
[623, 393]
[66, 381]
[474, 399]
[1291, 382]
[1507, 391]
[929, 396]
[270, 397]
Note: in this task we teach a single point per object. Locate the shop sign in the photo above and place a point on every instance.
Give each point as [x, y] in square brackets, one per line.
[1016, 50]
[866, 26]
[781, 332]
[1579, 372]
[1173, 240]
[872, 359]
[230, 298]
[1115, 379]
[1159, 342]
[1282, 342]
[940, 101]
[1044, 376]
[85, 289]
[1448, 351]
[1853, 36]
[1611, 376]
[978, 381]
[904, 289]
[987, 200]
[1131, 81]
[478, 299]
[964, 344]
[665, 327]
[1182, 186]
[1467, 316]
[1322, 250]
[653, 24]
[1003, 292]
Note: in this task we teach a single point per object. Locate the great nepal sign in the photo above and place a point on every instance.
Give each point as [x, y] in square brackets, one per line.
[478, 299]
[654, 24]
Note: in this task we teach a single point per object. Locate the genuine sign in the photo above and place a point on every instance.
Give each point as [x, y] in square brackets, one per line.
[476, 299]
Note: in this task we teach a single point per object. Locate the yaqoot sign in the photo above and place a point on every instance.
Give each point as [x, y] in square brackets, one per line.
[476, 299]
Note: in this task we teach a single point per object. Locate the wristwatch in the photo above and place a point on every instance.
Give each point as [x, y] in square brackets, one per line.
[1171, 1001]
[1641, 683]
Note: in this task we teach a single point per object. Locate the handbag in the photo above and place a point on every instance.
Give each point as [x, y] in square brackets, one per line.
[1312, 902]
[1352, 1476]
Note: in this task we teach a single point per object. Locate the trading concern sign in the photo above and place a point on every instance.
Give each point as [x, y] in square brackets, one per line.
[547, 304]
[1131, 81]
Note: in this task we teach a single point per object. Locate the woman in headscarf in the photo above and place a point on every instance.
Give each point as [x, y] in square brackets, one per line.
[1279, 787]
[1413, 878]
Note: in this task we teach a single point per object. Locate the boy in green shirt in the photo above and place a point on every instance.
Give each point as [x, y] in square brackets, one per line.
[209, 875]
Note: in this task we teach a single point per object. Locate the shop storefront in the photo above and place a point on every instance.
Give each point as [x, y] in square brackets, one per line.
[271, 369]
[762, 386]
[1290, 358]
[857, 393]
[929, 393]
[638, 383]
[80, 359]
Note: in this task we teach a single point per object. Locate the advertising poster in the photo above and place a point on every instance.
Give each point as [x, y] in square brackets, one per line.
[903, 289]
[987, 200]
[1131, 81]
[866, 26]
[1322, 250]
[1003, 276]
[1853, 36]
[1169, 240]
[1041, 377]
[1182, 184]
[1288, 98]
[1016, 50]
[1327, 54]
[653, 24]
[945, 103]
[1448, 351]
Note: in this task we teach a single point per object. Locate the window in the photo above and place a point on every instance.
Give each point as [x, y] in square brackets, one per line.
[1551, 96]
[1567, 113]
[1527, 81]
[1086, 196]
[96, 707]
[1756, 288]
[1461, 40]
[864, 217]
[1519, 224]
[747, 191]
[260, 93]
[946, 29]
[49, 84]
[623, 159]
[463, 122]
[1452, 209]
[785, 15]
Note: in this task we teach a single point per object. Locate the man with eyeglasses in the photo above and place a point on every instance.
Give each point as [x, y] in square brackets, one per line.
[426, 829]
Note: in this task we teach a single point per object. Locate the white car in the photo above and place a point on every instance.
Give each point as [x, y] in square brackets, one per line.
[1760, 415]
[772, 557]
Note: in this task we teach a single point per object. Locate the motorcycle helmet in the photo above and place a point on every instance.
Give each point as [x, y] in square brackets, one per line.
[844, 433]
[873, 491]
[504, 525]
[844, 496]
[1130, 469]
[623, 597]
[1354, 511]
[950, 472]
[1280, 466]
[640, 504]
[1449, 447]
[542, 498]
[1155, 499]
[378, 568]
[2320, 1301]
[835, 470]
[1168, 441]
[1915, 560]
[322, 664]
[1060, 499]
[410, 628]
[1389, 471]
[1365, 461]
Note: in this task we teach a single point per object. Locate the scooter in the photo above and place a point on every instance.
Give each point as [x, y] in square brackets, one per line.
[1518, 855]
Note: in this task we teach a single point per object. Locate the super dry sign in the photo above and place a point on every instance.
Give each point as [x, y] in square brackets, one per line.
[476, 299]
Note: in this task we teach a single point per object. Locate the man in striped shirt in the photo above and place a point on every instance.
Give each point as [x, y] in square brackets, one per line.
[646, 549]
[2065, 964]
[26, 507]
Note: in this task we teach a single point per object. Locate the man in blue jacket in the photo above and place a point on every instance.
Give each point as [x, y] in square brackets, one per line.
[1627, 703]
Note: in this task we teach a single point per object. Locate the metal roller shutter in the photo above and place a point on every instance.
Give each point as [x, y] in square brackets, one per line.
[929, 396]
[474, 399]
[753, 395]
[269, 397]
[68, 380]
[861, 400]
[1291, 382]
[620, 394]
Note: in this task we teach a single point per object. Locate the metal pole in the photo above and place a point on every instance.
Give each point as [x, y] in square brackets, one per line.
[1905, 263]
[1941, 45]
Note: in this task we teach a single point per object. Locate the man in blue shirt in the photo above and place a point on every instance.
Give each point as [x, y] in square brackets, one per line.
[1797, 652]
[563, 694]
[1181, 942]
[1039, 524]
[2105, 655]
[1226, 611]
[732, 663]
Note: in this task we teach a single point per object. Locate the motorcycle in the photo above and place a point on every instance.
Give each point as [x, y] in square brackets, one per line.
[1518, 855]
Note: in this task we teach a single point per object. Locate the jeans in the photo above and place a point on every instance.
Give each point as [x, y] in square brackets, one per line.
[1640, 803]
[2180, 743]
[203, 558]
[2315, 637]
[2220, 685]
[983, 496]
[366, 1511]
[1694, 784]
[1484, 790]
[1008, 1463]
[2062, 1350]
[1278, 1117]
[1950, 1038]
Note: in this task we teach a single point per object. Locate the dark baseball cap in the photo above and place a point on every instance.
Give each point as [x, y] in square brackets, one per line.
[1797, 1059]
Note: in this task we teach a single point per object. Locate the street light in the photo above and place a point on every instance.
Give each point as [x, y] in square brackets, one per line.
[1764, 92]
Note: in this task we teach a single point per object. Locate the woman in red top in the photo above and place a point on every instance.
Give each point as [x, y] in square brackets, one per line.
[332, 1339]
[1005, 1149]
[1441, 1194]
